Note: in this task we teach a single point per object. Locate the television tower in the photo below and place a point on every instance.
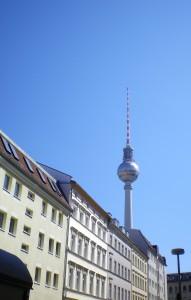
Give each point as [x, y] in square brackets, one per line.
[128, 172]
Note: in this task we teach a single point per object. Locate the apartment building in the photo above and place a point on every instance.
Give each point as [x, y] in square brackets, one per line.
[156, 273]
[86, 265]
[119, 262]
[33, 219]
[139, 275]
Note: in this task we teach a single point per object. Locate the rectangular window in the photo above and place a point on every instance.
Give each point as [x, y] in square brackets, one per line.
[97, 286]
[29, 165]
[25, 248]
[122, 249]
[73, 242]
[7, 183]
[26, 230]
[110, 264]
[58, 249]
[115, 243]
[44, 208]
[55, 281]
[87, 220]
[71, 277]
[115, 292]
[17, 191]
[86, 243]
[48, 278]
[129, 275]
[98, 256]
[118, 293]
[104, 235]
[51, 246]
[122, 294]
[92, 252]
[75, 211]
[37, 275]
[110, 291]
[119, 269]
[111, 240]
[93, 225]
[125, 273]
[31, 195]
[91, 283]
[2, 220]
[13, 226]
[81, 216]
[29, 212]
[53, 216]
[99, 231]
[115, 266]
[40, 240]
[84, 279]
[79, 245]
[78, 275]
[103, 259]
[125, 294]
[60, 219]
[102, 288]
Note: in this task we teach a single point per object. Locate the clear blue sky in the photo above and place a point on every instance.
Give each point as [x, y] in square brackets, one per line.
[64, 69]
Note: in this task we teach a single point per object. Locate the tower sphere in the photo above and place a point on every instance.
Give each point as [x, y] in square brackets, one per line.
[128, 171]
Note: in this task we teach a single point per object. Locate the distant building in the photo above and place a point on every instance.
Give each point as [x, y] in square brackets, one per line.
[33, 219]
[172, 283]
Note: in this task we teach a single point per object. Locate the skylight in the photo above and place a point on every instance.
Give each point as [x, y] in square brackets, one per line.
[14, 151]
[41, 175]
[28, 164]
[6, 145]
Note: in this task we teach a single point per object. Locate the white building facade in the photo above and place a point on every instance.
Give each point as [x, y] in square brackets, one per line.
[33, 219]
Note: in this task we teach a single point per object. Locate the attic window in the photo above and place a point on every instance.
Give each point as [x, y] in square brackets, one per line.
[41, 175]
[6, 145]
[28, 164]
[52, 184]
[14, 151]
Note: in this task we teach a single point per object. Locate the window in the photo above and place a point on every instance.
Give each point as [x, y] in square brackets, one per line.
[99, 231]
[111, 240]
[53, 216]
[97, 286]
[48, 278]
[115, 243]
[78, 275]
[42, 177]
[122, 271]
[79, 245]
[87, 220]
[25, 248]
[40, 240]
[98, 255]
[92, 252]
[28, 163]
[119, 269]
[75, 211]
[7, 183]
[13, 226]
[17, 191]
[122, 294]
[102, 288]
[86, 248]
[115, 292]
[104, 234]
[115, 266]
[125, 294]
[73, 242]
[2, 220]
[122, 249]
[44, 208]
[81, 216]
[110, 264]
[103, 258]
[125, 273]
[51, 246]
[58, 249]
[60, 219]
[37, 275]
[71, 277]
[125, 251]
[26, 230]
[110, 291]
[14, 151]
[84, 279]
[129, 295]
[31, 195]
[129, 275]
[119, 246]
[91, 283]
[29, 212]
[93, 225]
[118, 293]
[55, 281]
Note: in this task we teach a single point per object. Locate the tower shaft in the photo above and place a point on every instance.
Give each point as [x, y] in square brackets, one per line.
[128, 214]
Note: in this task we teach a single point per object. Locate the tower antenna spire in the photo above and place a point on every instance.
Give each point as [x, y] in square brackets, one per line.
[128, 120]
